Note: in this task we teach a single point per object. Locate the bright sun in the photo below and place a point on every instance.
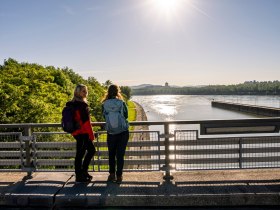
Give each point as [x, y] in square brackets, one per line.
[166, 7]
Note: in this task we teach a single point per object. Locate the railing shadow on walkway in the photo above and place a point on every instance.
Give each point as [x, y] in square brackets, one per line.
[57, 190]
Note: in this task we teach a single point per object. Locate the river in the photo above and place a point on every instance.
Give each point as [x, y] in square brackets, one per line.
[198, 107]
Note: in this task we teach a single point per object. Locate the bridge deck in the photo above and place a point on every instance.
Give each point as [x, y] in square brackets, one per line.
[57, 190]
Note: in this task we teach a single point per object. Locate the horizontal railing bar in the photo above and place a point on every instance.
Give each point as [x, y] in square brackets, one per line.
[225, 160]
[261, 140]
[204, 161]
[98, 132]
[229, 141]
[10, 162]
[261, 150]
[67, 162]
[11, 170]
[225, 151]
[10, 145]
[204, 142]
[261, 159]
[99, 144]
[206, 152]
[142, 143]
[252, 120]
[133, 162]
[10, 154]
[10, 133]
[54, 162]
[47, 145]
[51, 154]
[135, 153]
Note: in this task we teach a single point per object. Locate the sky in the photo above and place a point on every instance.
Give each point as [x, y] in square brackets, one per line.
[133, 42]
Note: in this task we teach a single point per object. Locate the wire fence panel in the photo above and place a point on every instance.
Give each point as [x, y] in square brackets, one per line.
[11, 151]
[193, 153]
[225, 153]
[261, 152]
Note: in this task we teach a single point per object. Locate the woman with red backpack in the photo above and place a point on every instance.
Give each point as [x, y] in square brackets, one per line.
[84, 134]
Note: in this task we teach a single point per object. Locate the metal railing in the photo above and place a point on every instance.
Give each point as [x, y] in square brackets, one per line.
[187, 149]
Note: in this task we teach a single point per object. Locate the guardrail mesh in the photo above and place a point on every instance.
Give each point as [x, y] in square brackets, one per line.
[261, 152]
[225, 153]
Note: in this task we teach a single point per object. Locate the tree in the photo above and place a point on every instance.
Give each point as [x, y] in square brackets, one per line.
[126, 91]
[107, 83]
[31, 93]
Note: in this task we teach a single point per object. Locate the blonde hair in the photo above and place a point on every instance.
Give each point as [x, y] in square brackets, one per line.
[113, 91]
[77, 93]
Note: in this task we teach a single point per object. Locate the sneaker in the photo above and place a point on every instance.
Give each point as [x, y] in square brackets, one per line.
[119, 179]
[82, 179]
[111, 177]
[87, 175]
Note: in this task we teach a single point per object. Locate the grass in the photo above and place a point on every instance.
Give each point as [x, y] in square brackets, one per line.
[131, 111]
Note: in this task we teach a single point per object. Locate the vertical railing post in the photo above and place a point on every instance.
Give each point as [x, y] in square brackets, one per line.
[98, 153]
[27, 139]
[240, 153]
[167, 177]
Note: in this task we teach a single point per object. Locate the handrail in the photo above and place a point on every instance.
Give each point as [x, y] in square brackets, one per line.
[166, 142]
[134, 123]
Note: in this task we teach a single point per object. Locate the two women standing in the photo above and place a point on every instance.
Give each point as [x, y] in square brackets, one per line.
[115, 113]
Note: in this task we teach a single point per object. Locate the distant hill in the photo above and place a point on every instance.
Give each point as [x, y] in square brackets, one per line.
[144, 86]
[246, 88]
[152, 86]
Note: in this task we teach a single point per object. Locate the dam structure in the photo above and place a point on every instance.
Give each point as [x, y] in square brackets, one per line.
[248, 108]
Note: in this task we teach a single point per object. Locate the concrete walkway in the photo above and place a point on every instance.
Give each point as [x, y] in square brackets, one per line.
[58, 190]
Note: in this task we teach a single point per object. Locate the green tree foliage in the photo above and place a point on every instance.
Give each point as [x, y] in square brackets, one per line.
[107, 83]
[31, 93]
[246, 88]
[126, 91]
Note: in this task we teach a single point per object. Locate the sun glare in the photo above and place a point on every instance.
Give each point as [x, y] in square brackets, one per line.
[166, 7]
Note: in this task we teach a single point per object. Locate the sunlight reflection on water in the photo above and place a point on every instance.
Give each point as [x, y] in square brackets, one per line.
[197, 107]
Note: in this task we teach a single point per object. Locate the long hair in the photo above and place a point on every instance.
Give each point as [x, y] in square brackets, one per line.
[77, 93]
[113, 92]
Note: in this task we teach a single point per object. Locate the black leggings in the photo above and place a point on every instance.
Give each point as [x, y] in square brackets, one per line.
[83, 144]
[116, 146]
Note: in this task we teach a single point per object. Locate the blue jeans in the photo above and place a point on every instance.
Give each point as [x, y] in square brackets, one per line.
[116, 146]
[83, 144]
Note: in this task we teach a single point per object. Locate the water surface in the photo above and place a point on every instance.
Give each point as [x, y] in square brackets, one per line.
[198, 107]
